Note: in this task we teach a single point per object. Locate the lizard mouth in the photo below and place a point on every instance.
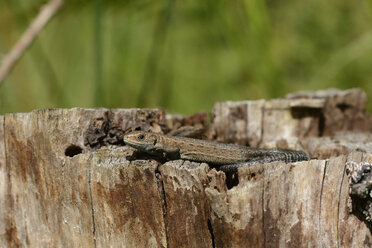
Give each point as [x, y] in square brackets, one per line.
[137, 140]
[129, 140]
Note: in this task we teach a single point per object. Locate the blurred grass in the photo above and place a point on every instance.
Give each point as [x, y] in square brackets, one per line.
[184, 55]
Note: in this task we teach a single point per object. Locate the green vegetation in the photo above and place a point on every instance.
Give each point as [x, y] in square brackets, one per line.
[184, 55]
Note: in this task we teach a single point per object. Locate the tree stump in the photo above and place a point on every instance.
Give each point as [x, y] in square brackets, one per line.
[67, 180]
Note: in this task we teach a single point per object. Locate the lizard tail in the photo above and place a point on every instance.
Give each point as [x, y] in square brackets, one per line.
[287, 156]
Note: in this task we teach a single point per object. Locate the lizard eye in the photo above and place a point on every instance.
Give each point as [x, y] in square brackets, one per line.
[141, 137]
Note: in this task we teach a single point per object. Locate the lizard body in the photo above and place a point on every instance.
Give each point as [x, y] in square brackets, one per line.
[227, 156]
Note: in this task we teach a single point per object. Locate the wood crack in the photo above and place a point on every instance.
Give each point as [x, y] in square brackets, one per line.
[161, 190]
[338, 206]
[210, 228]
[10, 230]
[91, 203]
[263, 212]
[321, 196]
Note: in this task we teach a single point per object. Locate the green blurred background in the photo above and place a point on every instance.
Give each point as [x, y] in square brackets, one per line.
[184, 55]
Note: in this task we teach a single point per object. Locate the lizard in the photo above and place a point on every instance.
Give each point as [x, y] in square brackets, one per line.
[227, 157]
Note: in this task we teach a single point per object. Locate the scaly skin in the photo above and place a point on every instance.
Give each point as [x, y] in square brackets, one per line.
[229, 156]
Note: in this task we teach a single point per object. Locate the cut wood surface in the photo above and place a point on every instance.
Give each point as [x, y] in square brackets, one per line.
[67, 180]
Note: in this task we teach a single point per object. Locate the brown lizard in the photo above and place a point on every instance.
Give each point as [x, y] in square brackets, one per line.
[227, 157]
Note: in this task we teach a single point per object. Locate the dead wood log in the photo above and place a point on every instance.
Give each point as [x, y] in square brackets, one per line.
[66, 180]
[55, 192]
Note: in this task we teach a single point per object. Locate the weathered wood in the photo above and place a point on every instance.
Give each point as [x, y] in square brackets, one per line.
[175, 122]
[127, 203]
[238, 122]
[47, 195]
[285, 122]
[192, 126]
[48, 199]
[236, 213]
[187, 207]
[352, 231]
[340, 144]
[329, 201]
[109, 128]
[3, 186]
[66, 180]
[279, 205]
[343, 110]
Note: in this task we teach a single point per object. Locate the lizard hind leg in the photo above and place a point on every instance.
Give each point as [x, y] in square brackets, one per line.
[232, 168]
[287, 157]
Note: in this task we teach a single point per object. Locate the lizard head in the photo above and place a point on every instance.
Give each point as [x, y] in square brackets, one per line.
[140, 140]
